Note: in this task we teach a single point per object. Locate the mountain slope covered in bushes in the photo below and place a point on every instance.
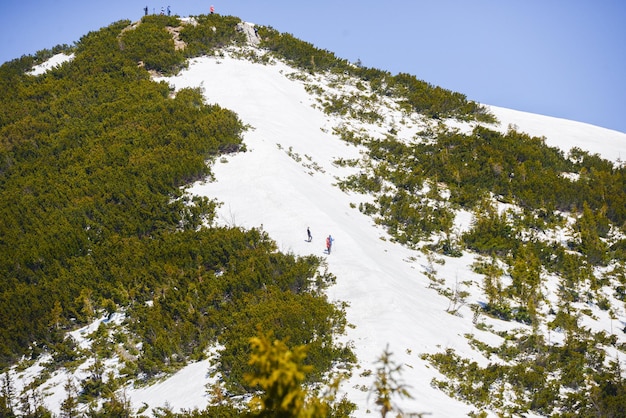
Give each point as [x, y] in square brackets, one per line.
[490, 263]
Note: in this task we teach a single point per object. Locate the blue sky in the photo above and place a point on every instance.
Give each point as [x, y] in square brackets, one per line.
[563, 58]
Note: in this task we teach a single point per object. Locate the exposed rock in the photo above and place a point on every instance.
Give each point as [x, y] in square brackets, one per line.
[250, 31]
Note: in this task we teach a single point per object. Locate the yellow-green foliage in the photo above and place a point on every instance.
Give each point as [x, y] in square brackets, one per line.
[151, 44]
[279, 372]
[209, 33]
[514, 167]
[417, 95]
[388, 384]
[572, 379]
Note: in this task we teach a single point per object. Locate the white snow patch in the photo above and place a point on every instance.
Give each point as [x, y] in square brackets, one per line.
[53, 62]
[565, 134]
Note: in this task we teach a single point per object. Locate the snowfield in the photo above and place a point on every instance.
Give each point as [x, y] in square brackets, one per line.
[390, 303]
[286, 182]
[565, 134]
[54, 61]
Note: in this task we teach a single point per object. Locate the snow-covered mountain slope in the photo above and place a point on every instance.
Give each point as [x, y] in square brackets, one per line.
[285, 182]
[274, 186]
[565, 134]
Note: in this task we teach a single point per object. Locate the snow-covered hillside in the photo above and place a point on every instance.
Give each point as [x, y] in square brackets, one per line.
[54, 61]
[268, 187]
[565, 134]
[285, 182]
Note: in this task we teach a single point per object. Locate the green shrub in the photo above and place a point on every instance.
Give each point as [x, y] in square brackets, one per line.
[151, 44]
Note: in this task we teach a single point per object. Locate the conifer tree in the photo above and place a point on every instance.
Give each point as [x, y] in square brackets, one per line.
[590, 243]
[32, 405]
[69, 406]
[388, 384]
[280, 373]
[492, 284]
[7, 396]
[526, 280]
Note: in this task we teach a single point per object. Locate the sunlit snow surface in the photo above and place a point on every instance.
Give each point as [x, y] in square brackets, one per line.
[54, 61]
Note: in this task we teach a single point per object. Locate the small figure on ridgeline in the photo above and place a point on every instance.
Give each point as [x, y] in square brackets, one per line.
[212, 9]
[145, 11]
[168, 11]
[308, 234]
